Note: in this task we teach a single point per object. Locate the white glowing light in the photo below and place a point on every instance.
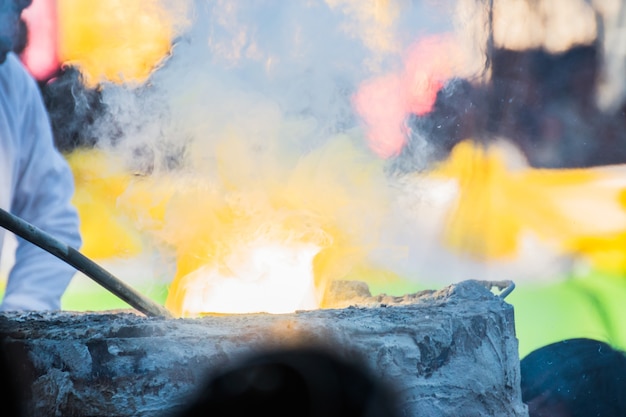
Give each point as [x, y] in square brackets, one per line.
[263, 277]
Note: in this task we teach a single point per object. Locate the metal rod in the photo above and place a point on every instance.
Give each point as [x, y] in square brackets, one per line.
[79, 261]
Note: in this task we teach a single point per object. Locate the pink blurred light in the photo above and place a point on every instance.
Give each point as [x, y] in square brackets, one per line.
[40, 56]
[385, 102]
[381, 102]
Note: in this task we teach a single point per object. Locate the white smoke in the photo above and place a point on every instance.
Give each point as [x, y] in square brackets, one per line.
[267, 68]
[280, 75]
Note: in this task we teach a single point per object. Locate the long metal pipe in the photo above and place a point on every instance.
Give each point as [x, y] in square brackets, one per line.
[79, 261]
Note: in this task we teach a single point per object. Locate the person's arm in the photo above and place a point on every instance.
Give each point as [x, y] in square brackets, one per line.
[43, 190]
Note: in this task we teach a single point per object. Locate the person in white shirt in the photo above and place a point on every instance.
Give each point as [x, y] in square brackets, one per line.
[36, 183]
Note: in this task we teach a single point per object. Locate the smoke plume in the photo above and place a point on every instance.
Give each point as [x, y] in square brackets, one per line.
[263, 120]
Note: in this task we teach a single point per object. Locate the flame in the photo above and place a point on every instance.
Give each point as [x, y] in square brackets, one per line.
[385, 102]
[268, 239]
[115, 40]
[260, 277]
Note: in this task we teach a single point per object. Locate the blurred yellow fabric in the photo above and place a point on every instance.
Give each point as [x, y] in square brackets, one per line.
[574, 210]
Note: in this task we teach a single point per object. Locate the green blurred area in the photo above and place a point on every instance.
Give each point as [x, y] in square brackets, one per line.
[95, 298]
[100, 299]
[591, 305]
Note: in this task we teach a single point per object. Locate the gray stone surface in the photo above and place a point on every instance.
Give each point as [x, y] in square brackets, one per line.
[447, 353]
